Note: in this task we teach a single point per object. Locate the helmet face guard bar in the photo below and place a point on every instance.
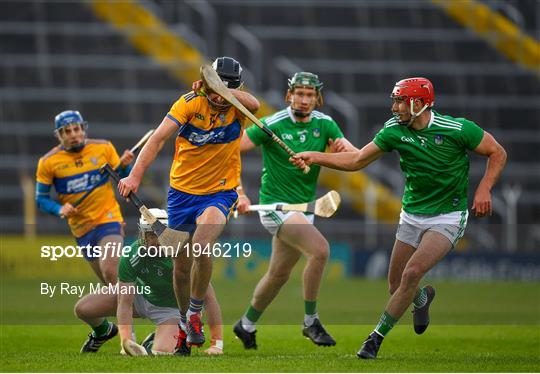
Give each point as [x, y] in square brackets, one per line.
[413, 114]
[411, 89]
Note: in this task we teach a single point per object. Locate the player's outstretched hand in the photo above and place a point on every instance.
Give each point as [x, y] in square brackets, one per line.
[482, 202]
[68, 210]
[243, 204]
[127, 158]
[133, 349]
[127, 185]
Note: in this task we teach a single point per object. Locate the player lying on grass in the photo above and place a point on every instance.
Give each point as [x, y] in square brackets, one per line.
[302, 128]
[157, 302]
[433, 156]
[73, 168]
[204, 175]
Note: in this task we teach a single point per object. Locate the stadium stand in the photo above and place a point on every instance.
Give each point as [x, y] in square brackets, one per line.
[59, 55]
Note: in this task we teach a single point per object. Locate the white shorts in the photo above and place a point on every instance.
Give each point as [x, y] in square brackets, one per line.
[157, 314]
[272, 220]
[413, 226]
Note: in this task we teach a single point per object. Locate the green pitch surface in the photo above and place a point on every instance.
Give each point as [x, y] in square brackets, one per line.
[476, 327]
[283, 349]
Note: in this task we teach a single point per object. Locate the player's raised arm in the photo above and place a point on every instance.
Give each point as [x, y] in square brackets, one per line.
[348, 161]
[496, 155]
[247, 100]
[147, 156]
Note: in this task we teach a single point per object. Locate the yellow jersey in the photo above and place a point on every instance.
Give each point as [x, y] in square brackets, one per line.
[74, 173]
[207, 155]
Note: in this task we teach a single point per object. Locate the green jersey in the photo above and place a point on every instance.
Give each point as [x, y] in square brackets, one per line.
[281, 181]
[153, 272]
[434, 161]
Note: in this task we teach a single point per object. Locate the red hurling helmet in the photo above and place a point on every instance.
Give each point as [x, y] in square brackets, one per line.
[415, 88]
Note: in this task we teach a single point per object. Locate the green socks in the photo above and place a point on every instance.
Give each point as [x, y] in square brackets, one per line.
[248, 320]
[310, 307]
[102, 329]
[252, 314]
[385, 324]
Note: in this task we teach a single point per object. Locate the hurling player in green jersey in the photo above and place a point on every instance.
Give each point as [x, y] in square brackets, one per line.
[433, 156]
[302, 128]
[145, 290]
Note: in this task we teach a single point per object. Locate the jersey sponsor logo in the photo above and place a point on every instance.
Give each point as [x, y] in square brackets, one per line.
[439, 139]
[218, 135]
[78, 183]
[302, 135]
[316, 133]
[286, 137]
[407, 139]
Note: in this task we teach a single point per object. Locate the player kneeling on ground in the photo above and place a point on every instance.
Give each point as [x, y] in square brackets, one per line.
[151, 280]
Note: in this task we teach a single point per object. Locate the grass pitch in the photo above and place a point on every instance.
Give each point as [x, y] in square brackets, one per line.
[476, 327]
[283, 349]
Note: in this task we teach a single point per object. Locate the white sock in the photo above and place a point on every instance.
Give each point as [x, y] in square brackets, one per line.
[248, 325]
[182, 325]
[190, 313]
[310, 318]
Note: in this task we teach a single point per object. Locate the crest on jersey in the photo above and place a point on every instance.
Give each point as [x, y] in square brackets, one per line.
[316, 133]
[94, 161]
[438, 139]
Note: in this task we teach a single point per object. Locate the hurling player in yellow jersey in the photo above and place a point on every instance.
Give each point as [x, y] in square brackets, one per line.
[73, 168]
[204, 175]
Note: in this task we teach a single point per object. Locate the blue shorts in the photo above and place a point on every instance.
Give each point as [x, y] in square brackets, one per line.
[184, 208]
[93, 237]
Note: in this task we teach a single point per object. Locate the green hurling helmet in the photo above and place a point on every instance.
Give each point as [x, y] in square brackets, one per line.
[305, 79]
